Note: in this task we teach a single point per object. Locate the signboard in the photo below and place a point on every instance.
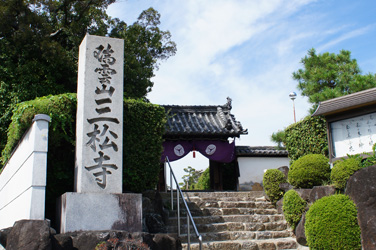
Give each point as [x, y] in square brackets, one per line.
[354, 135]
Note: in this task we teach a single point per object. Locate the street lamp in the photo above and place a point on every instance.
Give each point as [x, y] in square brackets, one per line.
[292, 96]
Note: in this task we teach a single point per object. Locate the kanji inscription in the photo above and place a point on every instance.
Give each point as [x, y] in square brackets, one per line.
[354, 135]
[100, 115]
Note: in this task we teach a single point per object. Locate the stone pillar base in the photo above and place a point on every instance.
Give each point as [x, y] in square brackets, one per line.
[96, 211]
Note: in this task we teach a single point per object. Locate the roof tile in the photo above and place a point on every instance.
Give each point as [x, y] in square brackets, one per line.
[260, 151]
[202, 121]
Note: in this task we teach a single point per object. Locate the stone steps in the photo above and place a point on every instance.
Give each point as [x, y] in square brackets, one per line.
[238, 235]
[232, 220]
[224, 196]
[199, 203]
[225, 211]
[286, 243]
[232, 226]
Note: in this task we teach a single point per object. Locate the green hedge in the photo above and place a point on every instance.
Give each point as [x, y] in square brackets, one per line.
[309, 170]
[271, 180]
[144, 125]
[342, 170]
[293, 208]
[331, 223]
[308, 136]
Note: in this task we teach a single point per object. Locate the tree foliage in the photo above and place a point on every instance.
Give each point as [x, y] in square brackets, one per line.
[328, 75]
[203, 182]
[278, 138]
[39, 43]
[190, 179]
[145, 44]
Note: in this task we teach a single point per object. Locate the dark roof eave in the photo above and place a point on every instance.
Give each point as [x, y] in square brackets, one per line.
[260, 151]
[346, 103]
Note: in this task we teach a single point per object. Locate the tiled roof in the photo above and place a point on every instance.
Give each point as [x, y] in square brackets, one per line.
[260, 151]
[202, 122]
[347, 102]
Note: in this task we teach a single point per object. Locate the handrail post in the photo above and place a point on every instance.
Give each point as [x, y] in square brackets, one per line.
[171, 191]
[188, 233]
[178, 208]
[189, 215]
[200, 241]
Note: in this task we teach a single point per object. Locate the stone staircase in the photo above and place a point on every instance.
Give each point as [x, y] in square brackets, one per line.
[232, 220]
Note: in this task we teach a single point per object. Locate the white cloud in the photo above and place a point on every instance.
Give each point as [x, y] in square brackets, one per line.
[246, 50]
[346, 36]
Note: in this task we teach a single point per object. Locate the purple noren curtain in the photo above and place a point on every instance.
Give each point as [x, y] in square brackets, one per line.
[220, 151]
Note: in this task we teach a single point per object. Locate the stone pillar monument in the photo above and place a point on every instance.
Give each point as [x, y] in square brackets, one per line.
[99, 131]
[98, 202]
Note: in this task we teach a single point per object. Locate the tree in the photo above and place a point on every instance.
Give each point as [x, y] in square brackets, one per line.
[278, 137]
[203, 182]
[39, 43]
[328, 75]
[190, 179]
[145, 45]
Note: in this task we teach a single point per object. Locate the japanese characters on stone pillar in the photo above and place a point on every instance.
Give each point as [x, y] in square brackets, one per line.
[99, 129]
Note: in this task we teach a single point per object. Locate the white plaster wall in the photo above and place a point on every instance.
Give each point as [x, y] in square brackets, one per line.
[23, 178]
[252, 169]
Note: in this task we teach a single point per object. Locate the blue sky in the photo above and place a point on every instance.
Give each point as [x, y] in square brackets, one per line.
[247, 50]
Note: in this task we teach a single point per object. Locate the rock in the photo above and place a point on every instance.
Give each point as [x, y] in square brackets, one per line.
[89, 240]
[361, 187]
[146, 239]
[152, 203]
[29, 235]
[155, 224]
[300, 232]
[167, 242]
[285, 186]
[284, 170]
[304, 193]
[320, 191]
[279, 205]
[158, 203]
[147, 206]
[62, 242]
[3, 236]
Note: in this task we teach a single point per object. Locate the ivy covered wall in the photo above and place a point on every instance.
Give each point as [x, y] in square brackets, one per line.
[308, 136]
[144, 125]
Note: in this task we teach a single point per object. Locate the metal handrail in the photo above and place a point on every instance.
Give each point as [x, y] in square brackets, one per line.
[189, 215]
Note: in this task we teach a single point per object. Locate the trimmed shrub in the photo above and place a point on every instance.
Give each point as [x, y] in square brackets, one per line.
[271, 180]
[308, 136]
[203, 182]
[309, 170]
[342, 170]
[293, 207]
[331, 223]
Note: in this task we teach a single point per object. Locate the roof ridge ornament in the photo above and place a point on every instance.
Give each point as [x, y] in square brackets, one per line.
[229, 103]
